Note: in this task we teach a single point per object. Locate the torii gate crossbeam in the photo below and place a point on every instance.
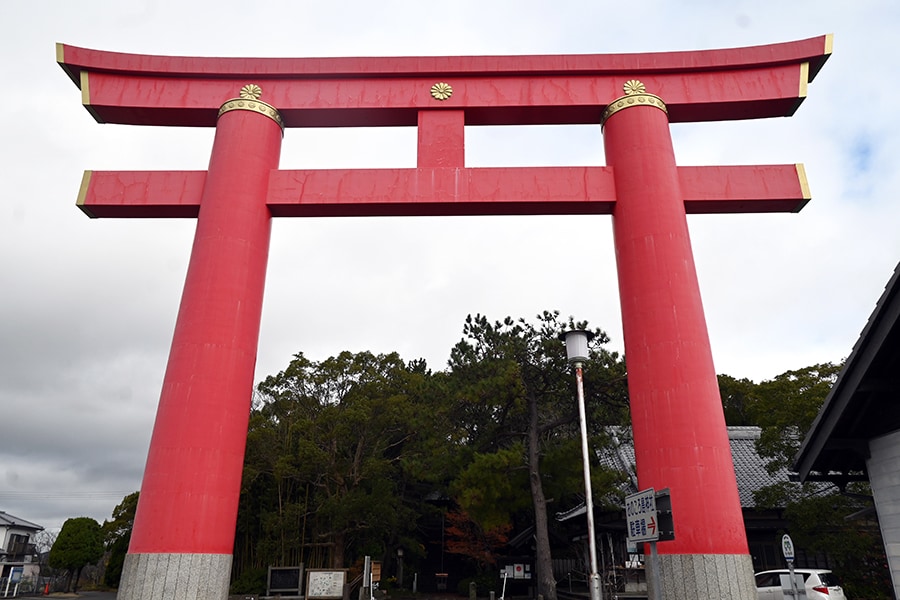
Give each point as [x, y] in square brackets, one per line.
[184, 529]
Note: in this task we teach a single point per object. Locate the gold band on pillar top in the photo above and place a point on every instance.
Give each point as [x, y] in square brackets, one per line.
[249, 100]
[635, 95]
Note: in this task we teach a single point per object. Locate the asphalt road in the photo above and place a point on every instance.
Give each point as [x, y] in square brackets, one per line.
[90, 595]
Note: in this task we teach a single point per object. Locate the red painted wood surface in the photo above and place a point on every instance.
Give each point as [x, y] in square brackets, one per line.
[444, 191]
[441, 139]
[189, 495]
[709, 85]
[680, 438]
[813, 50]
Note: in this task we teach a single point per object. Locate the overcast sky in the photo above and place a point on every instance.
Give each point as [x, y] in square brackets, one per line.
[87, 307]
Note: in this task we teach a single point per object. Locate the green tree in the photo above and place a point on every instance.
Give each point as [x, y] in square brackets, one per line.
[353, 455]
[79, 543]
[516, 399]
[840, 524]
[843, 526]
[822, 519]
[116, 537]
[785, 408]
[338, 455]
[738, 400]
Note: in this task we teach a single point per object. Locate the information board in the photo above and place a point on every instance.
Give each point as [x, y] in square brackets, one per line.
[322, 583]
[285, 579]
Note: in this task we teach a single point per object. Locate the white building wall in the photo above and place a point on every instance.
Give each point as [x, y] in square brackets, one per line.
[884, 476]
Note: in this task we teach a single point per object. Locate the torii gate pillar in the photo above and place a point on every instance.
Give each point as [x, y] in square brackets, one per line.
[183, 534]
[677, 418]
[184, 529]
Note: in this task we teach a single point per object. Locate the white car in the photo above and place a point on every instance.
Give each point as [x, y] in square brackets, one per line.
[820, 584]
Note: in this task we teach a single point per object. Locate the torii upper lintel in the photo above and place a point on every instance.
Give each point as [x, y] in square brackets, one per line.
[706, 85]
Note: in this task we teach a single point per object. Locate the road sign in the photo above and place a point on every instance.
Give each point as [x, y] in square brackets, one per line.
[665, 523]
[640, 516]
[787, 548]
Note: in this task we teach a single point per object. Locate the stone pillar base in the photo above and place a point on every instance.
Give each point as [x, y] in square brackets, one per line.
[175, 577]
[708, 576]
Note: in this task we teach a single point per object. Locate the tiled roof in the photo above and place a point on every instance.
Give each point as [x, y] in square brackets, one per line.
[8, 520]
[749, 467]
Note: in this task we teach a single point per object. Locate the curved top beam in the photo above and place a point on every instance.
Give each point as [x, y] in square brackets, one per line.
[703, 85]
[813, 50]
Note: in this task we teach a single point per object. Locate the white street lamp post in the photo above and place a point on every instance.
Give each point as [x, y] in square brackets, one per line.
[577, 351]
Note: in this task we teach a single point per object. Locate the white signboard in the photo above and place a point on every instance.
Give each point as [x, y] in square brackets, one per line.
[325, 584]
[516, 571]
[640, 516]
[787, 547]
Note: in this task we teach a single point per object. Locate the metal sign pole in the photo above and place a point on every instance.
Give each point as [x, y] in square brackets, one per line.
[657, 576]
[648, 523]
[787, 548]
[794, 591]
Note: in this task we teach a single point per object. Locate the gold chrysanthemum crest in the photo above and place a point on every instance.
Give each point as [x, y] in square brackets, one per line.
[441, 91]
[633, 86]
[635, 95]
[249, 100]
[251, 91]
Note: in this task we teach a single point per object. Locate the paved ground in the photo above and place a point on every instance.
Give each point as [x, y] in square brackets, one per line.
[87, 595]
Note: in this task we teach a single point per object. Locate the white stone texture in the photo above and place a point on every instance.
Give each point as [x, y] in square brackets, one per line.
[706, 576]
[175, 577]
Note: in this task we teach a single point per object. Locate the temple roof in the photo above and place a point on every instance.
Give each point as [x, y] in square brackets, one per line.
[749, 466]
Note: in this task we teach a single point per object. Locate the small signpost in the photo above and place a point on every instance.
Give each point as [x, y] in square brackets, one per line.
[640, 515]
[648, 517]
[15, 577]
[787, 548]
[371, 578]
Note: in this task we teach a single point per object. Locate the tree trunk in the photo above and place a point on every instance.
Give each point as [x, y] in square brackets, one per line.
[76, 578]
[543, 560]
[337, 553]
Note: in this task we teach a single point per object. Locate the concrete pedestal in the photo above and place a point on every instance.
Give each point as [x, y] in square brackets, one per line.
[175, 577]
[693, 576]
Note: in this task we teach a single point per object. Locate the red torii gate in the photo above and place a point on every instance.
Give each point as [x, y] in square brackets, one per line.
[184, 529]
